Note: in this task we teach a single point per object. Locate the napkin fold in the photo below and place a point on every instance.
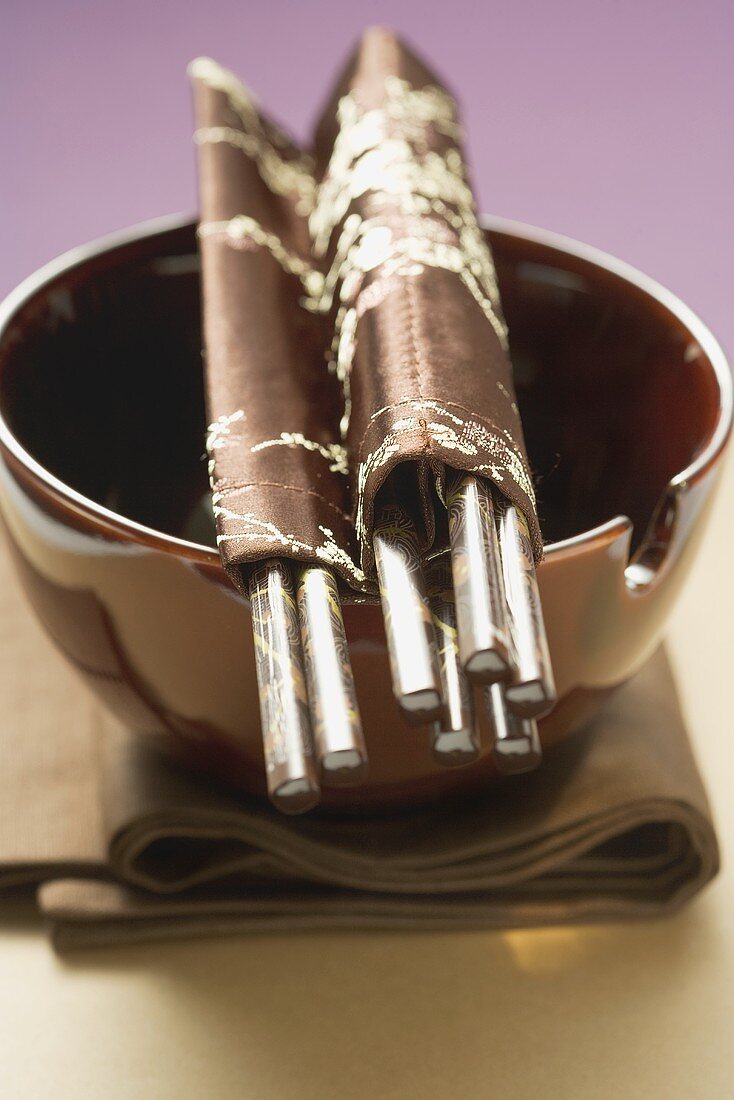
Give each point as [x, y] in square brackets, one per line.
[123, 843]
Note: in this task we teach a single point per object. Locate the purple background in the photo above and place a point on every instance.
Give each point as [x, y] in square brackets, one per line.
[609, 121]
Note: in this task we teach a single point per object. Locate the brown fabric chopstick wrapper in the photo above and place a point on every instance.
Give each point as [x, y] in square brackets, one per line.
[277, 466]
[126, 844]
[351, 314]
[420, 343]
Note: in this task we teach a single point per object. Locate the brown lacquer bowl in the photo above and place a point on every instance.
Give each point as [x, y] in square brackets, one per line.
[626, 400]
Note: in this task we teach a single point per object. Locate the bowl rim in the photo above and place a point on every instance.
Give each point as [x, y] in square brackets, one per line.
[119, 525]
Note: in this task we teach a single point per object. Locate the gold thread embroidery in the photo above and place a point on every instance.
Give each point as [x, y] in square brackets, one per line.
[409, 109]
[382, 155]
[334, 453]
[241, 99]
[221, 429]
[243, 228]
[443, 409]
[282, 175]
[328, 552]
[471, 439]
[218, 435]
[397, 258]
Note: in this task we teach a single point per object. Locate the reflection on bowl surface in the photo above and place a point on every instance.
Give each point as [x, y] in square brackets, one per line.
[625, 399]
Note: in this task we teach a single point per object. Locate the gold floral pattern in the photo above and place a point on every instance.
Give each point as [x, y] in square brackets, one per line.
[393, 202]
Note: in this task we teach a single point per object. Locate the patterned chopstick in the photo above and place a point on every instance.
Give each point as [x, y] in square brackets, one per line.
[455, 738]
[516, 744]
[408, 626]
[484, 640]
[286, 730]
[335, 721]
[530, 692]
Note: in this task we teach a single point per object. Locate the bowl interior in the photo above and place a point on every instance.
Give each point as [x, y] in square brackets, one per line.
[101, 382]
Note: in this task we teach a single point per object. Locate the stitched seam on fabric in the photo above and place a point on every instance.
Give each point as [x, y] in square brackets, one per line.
[446, 437]
[221, 489]
[416, 358]
[439, 408]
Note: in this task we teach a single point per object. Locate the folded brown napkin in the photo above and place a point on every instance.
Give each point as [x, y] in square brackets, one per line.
[126, 844]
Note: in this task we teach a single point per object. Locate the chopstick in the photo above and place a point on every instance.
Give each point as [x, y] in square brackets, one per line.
[408, 626]
[481, 612]
[286, 729]
[516, 744]
[531, 690]
[337, 728]
[455, 738]
[477, 619]
[501, 633]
